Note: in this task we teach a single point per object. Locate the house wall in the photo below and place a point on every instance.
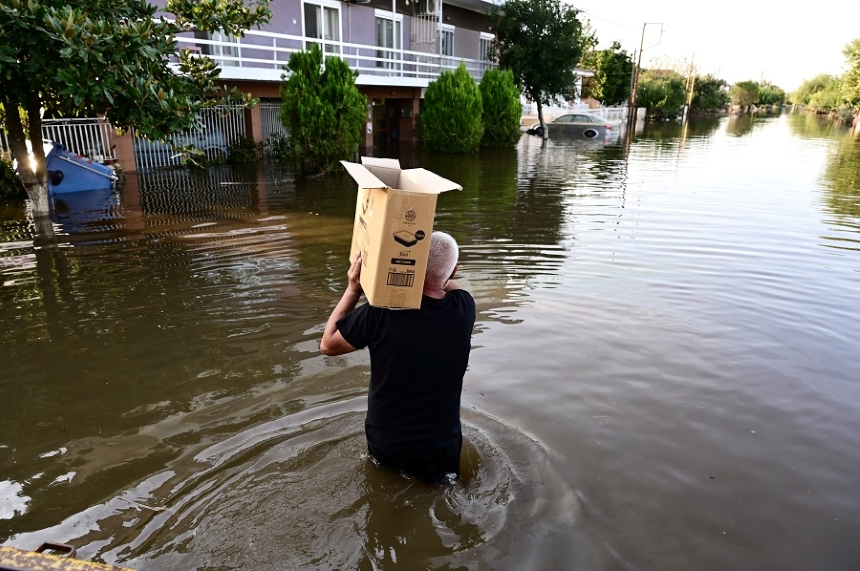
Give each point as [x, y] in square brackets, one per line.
[465, 19]
[286, 17]
[358, 26]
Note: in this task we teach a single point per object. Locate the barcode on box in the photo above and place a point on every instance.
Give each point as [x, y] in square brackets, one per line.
[401, 280]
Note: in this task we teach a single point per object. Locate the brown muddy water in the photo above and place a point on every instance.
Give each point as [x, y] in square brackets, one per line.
[664, 374]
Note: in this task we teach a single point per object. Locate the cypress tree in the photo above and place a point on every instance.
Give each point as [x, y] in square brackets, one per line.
[502, 110]
[323, 111]
[451, 121]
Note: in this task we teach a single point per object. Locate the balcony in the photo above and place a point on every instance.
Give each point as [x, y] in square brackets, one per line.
[261, 56]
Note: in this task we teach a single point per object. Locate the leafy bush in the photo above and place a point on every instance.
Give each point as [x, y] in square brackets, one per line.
[322, 109]
[769, 94]
[10, 184]
[710, 94]
[744, 93]
[244, 151]
[662, 93]
[452, 118]
[812, 86]
[277, 147]
[828, 98]
[501, 109]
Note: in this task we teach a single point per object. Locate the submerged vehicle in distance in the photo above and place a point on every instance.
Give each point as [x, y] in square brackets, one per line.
[581, 126]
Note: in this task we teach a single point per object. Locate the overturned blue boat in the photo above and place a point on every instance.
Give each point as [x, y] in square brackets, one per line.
[69, 172]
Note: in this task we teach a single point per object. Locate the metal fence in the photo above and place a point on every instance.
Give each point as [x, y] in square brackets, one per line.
[219, 127]
[270, 115]
[91, 138]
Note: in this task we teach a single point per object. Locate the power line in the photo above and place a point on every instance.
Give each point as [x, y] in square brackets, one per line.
[604, 19]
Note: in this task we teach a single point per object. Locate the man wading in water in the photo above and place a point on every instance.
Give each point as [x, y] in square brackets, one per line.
[417, 361]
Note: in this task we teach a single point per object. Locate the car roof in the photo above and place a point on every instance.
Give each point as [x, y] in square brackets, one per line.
[573, 113]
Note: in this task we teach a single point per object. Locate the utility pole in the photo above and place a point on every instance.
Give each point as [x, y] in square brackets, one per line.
[688, 88]
[631, 111]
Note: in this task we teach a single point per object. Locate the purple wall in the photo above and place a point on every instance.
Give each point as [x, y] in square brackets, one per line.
[358, 26]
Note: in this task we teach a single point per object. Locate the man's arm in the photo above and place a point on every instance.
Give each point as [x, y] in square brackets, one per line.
[333, 342]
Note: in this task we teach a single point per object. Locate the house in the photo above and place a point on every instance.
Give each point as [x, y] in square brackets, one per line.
[397, 46]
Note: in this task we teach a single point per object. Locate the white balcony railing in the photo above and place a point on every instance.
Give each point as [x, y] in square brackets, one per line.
[262, 56]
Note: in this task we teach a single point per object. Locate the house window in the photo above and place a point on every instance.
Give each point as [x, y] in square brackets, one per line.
[227, 46]
[446, 40]
[389, 36]
[485, 47]
[322, 21]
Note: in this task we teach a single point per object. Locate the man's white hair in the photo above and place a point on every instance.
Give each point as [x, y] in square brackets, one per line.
[443, 258]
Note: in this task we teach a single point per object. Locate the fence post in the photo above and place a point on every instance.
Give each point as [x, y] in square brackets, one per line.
[254, 123]
[124, 151]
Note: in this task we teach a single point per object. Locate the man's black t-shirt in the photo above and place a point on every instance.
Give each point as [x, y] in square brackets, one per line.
[417, 361]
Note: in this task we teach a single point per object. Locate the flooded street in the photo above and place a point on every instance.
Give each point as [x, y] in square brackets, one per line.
[664, 368]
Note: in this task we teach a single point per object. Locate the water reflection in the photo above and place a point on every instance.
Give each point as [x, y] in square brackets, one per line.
[664, 341]
[86, 211]
[741, 124]
[668, 131]
[300, 491]
[812, 126]
[843, 190]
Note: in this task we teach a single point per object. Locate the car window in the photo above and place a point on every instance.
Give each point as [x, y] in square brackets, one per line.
[583, 119]
[564, 119]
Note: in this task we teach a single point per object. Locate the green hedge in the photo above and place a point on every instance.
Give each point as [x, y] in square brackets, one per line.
[452, 118]
[502, 109]
[323, 111]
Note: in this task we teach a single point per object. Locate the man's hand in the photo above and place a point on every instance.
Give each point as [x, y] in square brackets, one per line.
[354, 274]
[332, 342]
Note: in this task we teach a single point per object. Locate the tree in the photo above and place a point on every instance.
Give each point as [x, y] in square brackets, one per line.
[710, 94]
[662, 92]
[744, 93]
[851, 79]
[829, 98]
[88, 57]
[452, 119]
[810, 87]
[613, 68]
[769, 94]
[501, 109]
[541, 42]
[322, 109]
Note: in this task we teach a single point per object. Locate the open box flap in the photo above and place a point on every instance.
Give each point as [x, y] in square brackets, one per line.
[387, 170]
[362, 176]
[380, 162]
[422, 180]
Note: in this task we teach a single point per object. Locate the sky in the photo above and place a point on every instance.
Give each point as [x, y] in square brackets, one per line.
[735, 42]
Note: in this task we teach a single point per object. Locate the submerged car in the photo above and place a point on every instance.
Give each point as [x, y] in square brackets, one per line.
[207, 140]
[581, 125]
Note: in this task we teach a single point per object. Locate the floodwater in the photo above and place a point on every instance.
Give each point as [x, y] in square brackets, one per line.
[664, 371]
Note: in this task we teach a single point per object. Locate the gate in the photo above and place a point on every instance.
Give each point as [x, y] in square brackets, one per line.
[218, 128]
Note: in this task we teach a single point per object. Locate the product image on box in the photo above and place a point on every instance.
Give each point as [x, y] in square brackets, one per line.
[408, 239]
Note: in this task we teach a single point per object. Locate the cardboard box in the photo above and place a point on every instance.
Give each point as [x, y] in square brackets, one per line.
[394, 214]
